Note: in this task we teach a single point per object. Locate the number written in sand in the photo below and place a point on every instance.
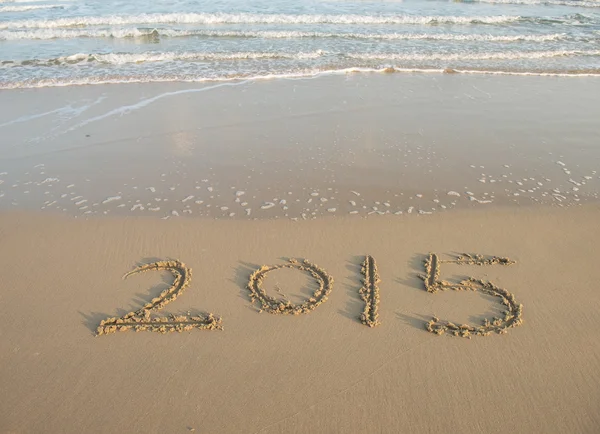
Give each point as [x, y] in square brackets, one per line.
[369, 293]
[512, 315]
[142, 319]
[284, 306]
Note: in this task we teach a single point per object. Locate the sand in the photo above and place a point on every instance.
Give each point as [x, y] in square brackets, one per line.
[322, 370]
[142, 319]
[360, 144]
[394, 253]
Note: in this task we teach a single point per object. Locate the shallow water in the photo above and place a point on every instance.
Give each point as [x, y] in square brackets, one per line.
[57, 43]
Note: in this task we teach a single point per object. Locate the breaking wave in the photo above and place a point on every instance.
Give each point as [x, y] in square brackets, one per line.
[30, 84]
[124, 58]
[138, 58]
[583, 3]
[476, 56]
[26, 8]
[135, 32]
[248, 18]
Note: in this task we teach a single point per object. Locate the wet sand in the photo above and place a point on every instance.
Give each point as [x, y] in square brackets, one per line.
[322, 371]
[365, 144]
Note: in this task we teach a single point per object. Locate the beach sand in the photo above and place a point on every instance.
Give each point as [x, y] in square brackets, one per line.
[497, 166]
[318, 372]
[414, 142]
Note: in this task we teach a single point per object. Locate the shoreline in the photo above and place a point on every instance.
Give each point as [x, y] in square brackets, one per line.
[241, 79]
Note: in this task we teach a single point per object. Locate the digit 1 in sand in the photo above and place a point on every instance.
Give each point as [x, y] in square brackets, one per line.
[369, 293]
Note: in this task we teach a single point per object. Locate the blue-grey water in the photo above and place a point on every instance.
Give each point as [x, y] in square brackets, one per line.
[58, 43]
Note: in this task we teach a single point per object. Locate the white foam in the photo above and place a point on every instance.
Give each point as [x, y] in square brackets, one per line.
[579, 3]
[476, 56]
[247, 18]
[23, 1]
[25, 8]
[126, 109]
[134, 32]
[527, 74]
[126, 58]
[47, 180]
[111, 199]
[235, 80]
[35, 116]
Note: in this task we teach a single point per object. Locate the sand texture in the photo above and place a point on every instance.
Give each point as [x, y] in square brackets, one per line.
[323, 370]
[369, 293]
[141, 320]
[512, 316]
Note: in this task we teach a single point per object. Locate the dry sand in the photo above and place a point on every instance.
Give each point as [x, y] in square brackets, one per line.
[321, 371]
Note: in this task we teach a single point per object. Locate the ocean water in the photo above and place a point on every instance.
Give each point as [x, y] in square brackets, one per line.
[74, 42]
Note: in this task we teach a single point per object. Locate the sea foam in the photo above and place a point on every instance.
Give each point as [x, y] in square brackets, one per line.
[297, 74]
[248, 18]
[135, 32]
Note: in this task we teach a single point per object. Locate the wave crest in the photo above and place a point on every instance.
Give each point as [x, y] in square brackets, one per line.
[247, 18]
[582, 3]
[138, 58]
[125, 58]
[26, 8]
[475, 56]
[41, 83]
[135, 32]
